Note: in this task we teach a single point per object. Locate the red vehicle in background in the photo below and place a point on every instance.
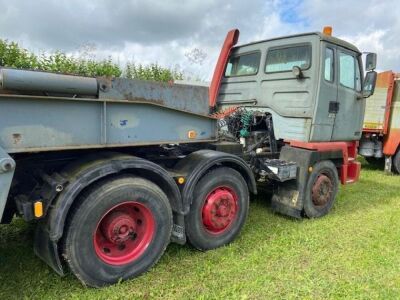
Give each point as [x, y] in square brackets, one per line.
[381, 132]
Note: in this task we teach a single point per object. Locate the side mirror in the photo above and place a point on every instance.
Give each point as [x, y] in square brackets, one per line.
[369, 84]
[297, 72]
[370, 62]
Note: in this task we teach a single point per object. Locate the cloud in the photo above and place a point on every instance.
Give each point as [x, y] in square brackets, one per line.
[67, 23]
[146, 31]
[164, 31]
[371, 25]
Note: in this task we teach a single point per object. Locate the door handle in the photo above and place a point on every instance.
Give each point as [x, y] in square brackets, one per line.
[334, 107]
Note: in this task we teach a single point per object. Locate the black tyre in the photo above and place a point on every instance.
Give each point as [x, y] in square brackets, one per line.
[219, 209]
[396, 162]
[118, 230]
[372, 160]
[322, 187]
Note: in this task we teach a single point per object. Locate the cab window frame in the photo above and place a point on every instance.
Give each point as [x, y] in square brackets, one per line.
[333, 64]
[354, 55]
[243, 54]
[283, 47]
[360, 72]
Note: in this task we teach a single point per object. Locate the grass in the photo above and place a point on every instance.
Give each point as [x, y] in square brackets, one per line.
[354, 253]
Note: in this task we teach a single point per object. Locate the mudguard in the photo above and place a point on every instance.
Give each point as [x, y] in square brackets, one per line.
[81, 174]
[196, 164]
[288, 196]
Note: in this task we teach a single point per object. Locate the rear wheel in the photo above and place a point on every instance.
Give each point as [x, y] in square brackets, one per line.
[219, 209]
[371, 160]
[396, 162]
[322, 187]
[376, 162]
[119, 229]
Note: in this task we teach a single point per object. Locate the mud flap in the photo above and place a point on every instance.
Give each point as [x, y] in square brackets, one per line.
[285, 200]
[46, 249]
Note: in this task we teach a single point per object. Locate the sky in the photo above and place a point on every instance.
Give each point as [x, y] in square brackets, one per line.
[188, 34]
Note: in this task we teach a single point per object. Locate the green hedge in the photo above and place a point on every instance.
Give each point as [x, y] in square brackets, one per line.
[13, 55]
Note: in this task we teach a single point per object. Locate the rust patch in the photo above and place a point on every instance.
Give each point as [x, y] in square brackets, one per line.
[130, 97]
[105, 83]
[17, 137]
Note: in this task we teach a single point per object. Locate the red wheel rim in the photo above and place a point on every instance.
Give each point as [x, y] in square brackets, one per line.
[220, 210]
[124, 233]
[322, 190]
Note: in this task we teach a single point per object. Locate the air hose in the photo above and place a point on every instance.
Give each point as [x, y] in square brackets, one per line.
[246, 120]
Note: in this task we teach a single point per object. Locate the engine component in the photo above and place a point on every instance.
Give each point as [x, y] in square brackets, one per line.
[252, 129]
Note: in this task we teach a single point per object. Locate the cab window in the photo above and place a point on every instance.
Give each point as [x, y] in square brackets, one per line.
[242, 65]
[349, 71]
[329, 65]
[358, 77]
[284, 59]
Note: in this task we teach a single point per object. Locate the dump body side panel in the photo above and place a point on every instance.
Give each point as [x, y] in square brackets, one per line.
[378, 106]
[392, 139]
[395, 112]
[382, 115]
[29, 123]
[184, 97]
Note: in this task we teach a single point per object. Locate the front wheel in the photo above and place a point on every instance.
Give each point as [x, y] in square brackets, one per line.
[118, 230]
[322, 187]
[219, 209]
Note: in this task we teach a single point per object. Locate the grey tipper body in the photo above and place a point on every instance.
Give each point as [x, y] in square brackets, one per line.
[304, 109]
[109, 113]
[41, 112]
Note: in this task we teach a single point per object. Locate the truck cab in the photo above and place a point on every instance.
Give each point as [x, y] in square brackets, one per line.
[301, 99]
[309, 83]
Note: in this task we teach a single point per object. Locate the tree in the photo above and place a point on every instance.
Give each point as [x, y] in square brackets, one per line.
[14, 56]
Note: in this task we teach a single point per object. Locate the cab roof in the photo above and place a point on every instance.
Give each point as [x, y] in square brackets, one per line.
[321, 36]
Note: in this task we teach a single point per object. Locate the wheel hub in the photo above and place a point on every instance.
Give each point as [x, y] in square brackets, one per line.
[118, 226]
[322, 190]
[219, 210]
[124, 233]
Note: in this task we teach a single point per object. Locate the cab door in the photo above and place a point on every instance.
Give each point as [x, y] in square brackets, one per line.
[351, 105]
[326, 104]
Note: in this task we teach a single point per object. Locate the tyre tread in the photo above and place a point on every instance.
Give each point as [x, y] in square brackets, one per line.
[99, 187]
